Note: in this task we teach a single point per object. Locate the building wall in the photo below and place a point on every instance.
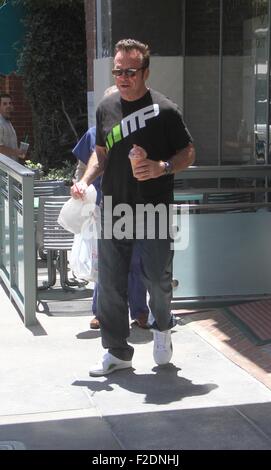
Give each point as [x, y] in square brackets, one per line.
[211, 58]
[225, 80]
[166, 76]
[158, 23]
[90, 12]
[102, 77]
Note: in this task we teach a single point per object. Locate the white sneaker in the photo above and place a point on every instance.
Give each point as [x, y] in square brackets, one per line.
[162, 347]
[108, 365]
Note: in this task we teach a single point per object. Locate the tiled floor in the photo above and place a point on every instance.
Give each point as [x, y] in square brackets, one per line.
[219, 331]
[256, 316]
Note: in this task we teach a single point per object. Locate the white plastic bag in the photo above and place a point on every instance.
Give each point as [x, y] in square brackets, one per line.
[77, 211]
[84, 253]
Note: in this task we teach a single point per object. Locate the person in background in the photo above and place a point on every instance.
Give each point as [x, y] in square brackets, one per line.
[137, 293]
[144, 119]
[8, 137]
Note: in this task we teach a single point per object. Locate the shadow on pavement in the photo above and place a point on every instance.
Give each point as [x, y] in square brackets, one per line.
[162, 387]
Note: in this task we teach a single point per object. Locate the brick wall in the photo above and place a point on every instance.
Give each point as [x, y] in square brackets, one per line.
[22, 117]
[90, 13]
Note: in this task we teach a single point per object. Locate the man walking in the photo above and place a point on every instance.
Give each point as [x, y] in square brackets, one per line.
[8, 137]
[142, 118]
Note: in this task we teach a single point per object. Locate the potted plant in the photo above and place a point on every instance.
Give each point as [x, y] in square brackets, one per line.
[36, 167]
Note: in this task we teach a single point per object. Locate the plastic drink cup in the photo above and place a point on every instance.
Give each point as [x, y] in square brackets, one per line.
[24, 146]
[136, 156]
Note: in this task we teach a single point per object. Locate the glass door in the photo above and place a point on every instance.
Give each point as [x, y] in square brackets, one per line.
[244, 81]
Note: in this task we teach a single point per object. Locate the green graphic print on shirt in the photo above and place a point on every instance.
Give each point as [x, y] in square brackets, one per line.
[131, 123]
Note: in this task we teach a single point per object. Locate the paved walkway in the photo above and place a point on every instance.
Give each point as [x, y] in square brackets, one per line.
[224, 335]
[202, 400]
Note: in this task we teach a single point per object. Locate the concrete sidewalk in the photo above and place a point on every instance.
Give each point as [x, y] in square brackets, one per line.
[201, 400]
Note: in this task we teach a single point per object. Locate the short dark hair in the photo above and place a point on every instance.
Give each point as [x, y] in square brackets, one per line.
[130, 44]
[4, 95]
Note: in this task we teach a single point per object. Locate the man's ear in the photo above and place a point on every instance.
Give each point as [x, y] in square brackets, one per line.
[146, 74]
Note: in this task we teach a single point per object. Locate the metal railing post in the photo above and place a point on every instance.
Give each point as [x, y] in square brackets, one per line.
[29, 248]
[17, 237]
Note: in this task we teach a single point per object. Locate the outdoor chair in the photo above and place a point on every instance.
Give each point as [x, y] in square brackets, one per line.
[49, 188]
[46, 188]
[55, 240]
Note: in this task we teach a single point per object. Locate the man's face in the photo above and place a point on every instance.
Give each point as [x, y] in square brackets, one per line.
[131, 88]
[6, 107]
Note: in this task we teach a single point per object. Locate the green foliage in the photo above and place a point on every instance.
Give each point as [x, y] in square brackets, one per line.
[65, 173]
[53, 64]
[33, 165]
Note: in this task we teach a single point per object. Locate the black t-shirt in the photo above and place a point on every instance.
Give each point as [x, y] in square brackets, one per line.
[154, 123]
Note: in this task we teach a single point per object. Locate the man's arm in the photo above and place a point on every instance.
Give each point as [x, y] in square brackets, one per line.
[79, 171]
[183, 159]
[95, 167]
[10, 152]
[148, 169]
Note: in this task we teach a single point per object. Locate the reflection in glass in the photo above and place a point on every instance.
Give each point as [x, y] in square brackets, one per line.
[104, 43]
[4, 224]
[20, 252]
[6, 251]
[202, 77]
[269, 96]
[17, 238]
[244, 72]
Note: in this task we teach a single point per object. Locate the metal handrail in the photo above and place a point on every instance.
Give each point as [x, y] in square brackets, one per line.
[18, 239]
[237, 172]
[221, 190]
[226, 206]
[227, 171]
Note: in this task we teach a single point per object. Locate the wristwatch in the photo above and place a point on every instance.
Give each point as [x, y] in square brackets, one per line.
[168, 167]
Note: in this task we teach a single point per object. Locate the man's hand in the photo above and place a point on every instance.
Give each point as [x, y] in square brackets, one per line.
[21, 154]
[148, 169]
[11, 152]
[138, 151]
[78, 190]
[145, 169]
